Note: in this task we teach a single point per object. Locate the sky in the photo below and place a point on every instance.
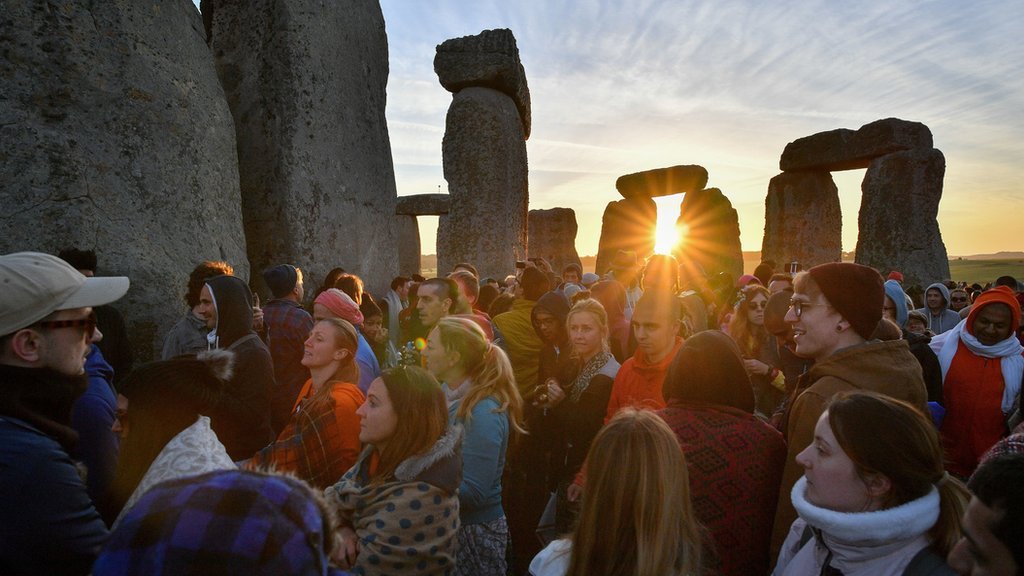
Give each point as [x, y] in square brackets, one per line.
[621, 87]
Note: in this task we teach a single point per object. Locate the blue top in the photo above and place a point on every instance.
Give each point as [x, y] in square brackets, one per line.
[369, 368]
[483, 461]
[92, 415]
[48, 524]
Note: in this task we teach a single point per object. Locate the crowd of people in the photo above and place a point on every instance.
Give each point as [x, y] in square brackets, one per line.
[646, 421]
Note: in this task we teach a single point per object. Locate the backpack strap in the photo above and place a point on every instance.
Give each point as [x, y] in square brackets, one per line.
[927, 563]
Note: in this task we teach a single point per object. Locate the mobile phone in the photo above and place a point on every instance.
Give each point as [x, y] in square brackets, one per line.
[794, 267]
[520, 264]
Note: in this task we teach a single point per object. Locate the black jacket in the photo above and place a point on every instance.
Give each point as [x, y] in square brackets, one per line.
[242, 419]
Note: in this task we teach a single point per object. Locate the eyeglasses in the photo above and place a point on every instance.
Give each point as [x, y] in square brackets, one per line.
[758, 305]
[87, 324]
[799, 305]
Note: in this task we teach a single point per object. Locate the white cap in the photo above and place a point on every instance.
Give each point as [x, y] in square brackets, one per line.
[34, 285]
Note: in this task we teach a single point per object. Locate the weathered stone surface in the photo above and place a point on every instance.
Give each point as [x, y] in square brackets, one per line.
[849, 149]
[423, 205]
[626, 225]
[489, 59]
[305, 81]
[552, 235]
[484, 157]
[803, 219]
[408, 232]
[114, 135]
[663, 181]
[712, 236]
[898, 226]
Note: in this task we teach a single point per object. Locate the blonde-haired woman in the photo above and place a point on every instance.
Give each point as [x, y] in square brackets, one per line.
[578, 399]
[482, 396]
[760, 356]
[321, 440]
[636, 517]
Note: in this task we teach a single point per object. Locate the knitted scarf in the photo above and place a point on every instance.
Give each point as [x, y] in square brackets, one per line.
[589, 370]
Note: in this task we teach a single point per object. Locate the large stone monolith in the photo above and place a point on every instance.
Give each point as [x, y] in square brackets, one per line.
[712, 233]
[306, 83]
[846, 149]
[897, 221]
[626, 225]
[663, 181]
[803, 219]
[115, 136]
[484, 154]
[408, 232]
[553, 237]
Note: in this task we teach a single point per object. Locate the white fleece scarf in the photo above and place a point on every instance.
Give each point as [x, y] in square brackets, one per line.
[869, 529]
[1011, 362]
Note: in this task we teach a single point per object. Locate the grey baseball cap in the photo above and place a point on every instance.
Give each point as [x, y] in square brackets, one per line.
[34, 285]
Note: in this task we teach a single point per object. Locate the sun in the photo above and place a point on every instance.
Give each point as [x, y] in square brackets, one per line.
[667, 234]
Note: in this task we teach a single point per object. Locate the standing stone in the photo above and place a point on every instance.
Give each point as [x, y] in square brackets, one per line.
[803, 219]
[484, 155]
[305, 81]
[408, 232]
[712, 233]
[626, 225]
[489, 59]
[553, 237]
[897, 221]
[114, 135]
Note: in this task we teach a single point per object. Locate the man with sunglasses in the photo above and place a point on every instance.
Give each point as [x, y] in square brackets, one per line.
[48, 524]
[833, 312]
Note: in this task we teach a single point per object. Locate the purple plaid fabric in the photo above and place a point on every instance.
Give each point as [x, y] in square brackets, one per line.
[228, 522]
[288, 326]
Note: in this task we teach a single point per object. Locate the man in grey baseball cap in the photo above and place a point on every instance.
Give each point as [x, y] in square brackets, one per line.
[48, 524]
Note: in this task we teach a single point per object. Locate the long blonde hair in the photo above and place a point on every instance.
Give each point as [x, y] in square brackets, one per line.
[747, 336]
[636, 517]
[346, 338]
[593, 307]
[487, 366]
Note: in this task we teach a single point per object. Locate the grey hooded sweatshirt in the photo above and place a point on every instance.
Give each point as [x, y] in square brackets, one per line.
[946, 319]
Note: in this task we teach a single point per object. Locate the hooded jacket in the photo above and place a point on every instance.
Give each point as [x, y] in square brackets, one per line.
[556, 304]
[639, 382]
[946, 319]
[522, 342]
[242, 419]
[884, 367]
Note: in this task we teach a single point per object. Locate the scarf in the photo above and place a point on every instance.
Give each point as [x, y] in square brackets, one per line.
[589, 370]
[42, 398]
[1008, 351]
[874, 529]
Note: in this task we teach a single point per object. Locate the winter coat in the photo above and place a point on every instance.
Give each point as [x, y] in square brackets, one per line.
[242, 419]
[48, 524]
[407, 524]
[92, 416]
[522, 342]
[884, 367]
[187, 336]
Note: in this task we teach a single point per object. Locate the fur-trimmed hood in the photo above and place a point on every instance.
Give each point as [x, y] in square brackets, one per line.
[440, 466]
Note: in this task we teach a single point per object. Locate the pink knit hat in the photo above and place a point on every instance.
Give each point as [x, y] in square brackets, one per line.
[341, 305]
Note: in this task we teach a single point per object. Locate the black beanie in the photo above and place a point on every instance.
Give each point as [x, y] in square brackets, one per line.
[281, 279]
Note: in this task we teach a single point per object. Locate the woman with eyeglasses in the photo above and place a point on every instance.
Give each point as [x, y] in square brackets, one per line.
[834, 310]
[760, 356]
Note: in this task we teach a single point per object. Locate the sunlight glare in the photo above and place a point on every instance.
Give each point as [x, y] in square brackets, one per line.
[667, 235]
